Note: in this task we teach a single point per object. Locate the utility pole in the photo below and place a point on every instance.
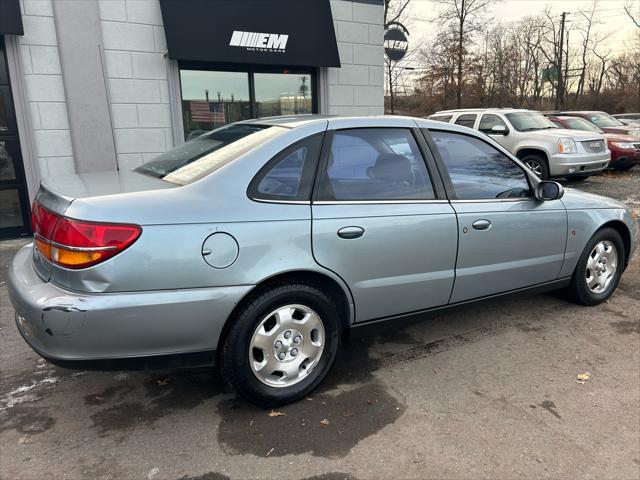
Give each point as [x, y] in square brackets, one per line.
[391, 89]
[559, 89]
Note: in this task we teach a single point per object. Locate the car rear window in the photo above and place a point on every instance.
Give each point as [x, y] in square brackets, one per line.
[199, 157]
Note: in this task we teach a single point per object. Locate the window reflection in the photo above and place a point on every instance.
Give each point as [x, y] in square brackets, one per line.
[282, 94]
[10, 210]
[213, 99]
[477, 170]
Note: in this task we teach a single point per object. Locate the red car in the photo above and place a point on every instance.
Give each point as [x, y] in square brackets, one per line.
[606, 122]
[625, 149]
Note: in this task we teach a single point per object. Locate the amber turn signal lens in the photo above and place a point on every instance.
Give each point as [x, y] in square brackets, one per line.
[70, 258]
[43, 247]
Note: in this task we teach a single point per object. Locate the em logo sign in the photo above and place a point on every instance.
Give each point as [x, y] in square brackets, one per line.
[272, 42]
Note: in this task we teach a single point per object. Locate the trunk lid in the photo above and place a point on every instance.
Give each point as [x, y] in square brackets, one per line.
[57, 194]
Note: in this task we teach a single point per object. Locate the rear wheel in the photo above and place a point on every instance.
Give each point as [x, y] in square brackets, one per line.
[282, 344]
[599, 268]
[537, 165]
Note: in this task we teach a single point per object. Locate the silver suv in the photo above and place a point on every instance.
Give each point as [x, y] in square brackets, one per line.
[547, 150]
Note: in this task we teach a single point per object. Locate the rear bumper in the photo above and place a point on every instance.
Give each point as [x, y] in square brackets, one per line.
[70, 326]
[564, 164]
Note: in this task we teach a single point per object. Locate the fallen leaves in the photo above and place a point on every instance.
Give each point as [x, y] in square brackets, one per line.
[583, 377]
[161, 382]
[325, 422]
[274, 413]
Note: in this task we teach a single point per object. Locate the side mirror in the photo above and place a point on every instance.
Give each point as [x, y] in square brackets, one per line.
[499, 130]
[547, 190]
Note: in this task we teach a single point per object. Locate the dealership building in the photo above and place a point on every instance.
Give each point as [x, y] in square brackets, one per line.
[104, 85]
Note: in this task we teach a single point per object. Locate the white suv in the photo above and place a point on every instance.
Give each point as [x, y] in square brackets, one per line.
[547, 150]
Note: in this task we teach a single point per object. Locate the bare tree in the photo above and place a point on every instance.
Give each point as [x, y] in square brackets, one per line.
[631, 13]
[466, 15]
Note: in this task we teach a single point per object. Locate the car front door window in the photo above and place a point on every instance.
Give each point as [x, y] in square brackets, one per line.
[479, 171]
[488, 121]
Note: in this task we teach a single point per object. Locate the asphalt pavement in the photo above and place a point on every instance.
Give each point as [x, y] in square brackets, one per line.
[527, 387]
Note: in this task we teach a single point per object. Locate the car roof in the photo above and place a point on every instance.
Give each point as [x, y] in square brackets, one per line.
[477, 110]
[585, 112]
[289, 121]
[294, 121]
[563, 117]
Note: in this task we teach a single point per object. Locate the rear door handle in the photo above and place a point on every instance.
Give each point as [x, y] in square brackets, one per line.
[481, 224]
[350, 232]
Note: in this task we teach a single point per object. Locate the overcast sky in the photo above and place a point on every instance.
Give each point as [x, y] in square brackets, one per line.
[611, 14]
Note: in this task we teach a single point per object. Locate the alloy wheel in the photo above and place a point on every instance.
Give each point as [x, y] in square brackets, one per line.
[535, 167]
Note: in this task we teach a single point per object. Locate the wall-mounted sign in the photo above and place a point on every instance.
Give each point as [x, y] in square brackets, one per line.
[271, 42]
[395, 41]
[250, 32]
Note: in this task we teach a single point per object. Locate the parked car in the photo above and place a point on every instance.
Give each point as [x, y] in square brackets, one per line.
[215, 251]
[606, 122]
[631, 123]
[548, 151]
[625, 149]
[631, 119]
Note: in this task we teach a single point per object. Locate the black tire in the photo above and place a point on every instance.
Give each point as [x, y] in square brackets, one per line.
[578, 289]
[623, 168]
[577, 178]
[537, 164]
[234, 354]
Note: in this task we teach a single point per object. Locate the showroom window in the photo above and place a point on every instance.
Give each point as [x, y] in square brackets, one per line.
[213, 98]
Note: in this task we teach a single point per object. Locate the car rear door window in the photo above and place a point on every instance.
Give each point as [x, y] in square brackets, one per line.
[479, 171]
[441, 118]
[374, 164]
[289, 175]
[466, 120]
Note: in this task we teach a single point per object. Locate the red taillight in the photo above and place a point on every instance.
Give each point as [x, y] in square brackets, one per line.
[79, 244]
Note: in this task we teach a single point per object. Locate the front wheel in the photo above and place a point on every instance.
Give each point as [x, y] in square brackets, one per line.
[577, 178]
[282, 344]
[599, 268]
[537, 165]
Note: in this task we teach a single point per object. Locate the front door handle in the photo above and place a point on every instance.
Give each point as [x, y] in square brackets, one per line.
[351, 232]
[481, 224]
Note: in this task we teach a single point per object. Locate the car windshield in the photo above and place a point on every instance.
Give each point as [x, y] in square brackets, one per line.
[529, 121]
[202, 155]
[605, 120]
[581, 124]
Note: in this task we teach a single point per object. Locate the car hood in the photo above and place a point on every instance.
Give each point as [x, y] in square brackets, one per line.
[577, 199]
[578, 135]
[633, 131]
[618, 137]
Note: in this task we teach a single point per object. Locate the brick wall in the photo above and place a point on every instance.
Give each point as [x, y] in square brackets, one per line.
[357, 87]
[136, 70]
[45, 89]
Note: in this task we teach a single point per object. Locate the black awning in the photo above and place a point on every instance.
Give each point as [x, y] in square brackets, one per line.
[266, 32]
[10, 17]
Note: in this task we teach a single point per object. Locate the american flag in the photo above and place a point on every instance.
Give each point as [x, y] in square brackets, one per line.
[208, 112]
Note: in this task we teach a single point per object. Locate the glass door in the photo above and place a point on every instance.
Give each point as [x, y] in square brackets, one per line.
[14, 201]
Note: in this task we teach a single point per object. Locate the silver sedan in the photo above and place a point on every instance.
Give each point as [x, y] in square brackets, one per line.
[262, 245]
